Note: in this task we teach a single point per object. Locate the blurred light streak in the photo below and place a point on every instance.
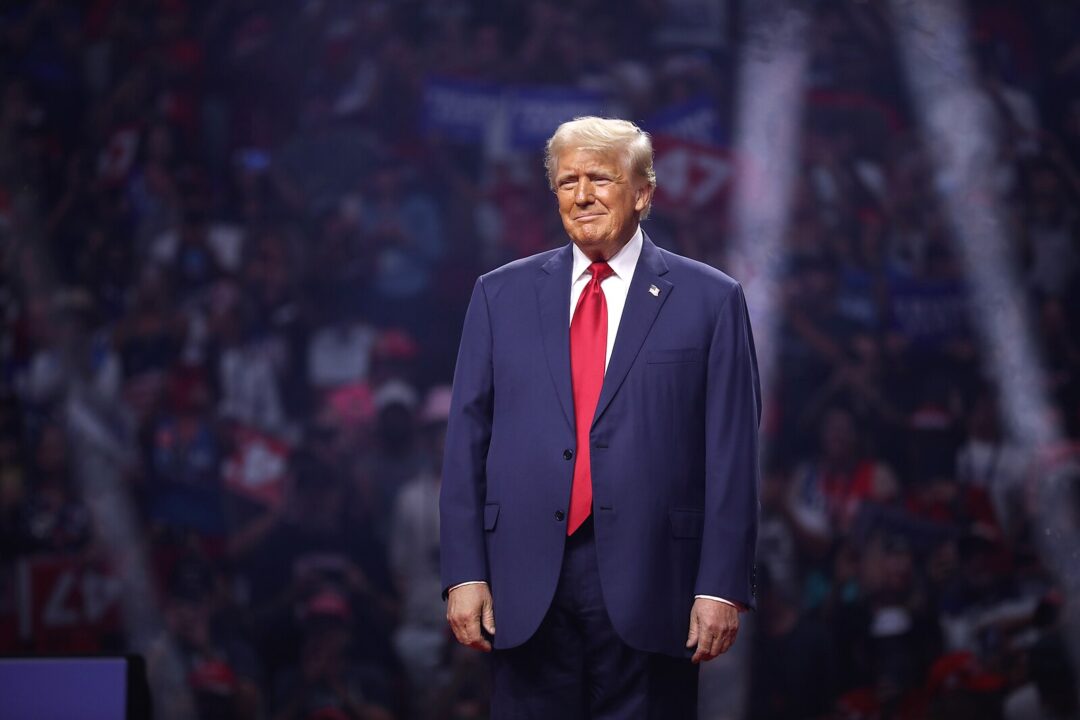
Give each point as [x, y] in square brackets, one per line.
[102, 449]
[959, 127]
[768, 104]
[102, 454]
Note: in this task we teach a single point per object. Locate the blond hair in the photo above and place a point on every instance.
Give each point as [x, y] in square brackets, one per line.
[603, 135]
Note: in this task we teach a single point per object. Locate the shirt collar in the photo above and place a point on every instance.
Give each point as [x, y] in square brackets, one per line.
[622, 263]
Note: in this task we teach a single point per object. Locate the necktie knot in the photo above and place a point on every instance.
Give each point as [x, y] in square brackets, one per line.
[600, 271]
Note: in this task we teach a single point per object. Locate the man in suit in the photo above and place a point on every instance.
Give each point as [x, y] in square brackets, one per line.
[599, 496]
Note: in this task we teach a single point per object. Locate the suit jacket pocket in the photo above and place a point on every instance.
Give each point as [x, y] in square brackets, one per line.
[491, 515]
[687, 523]
[679, 355]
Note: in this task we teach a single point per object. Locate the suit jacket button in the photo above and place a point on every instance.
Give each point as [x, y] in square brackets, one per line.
[559, 515]
[567, 454]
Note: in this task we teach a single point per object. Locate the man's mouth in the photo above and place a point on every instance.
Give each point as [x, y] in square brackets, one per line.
[587, 216]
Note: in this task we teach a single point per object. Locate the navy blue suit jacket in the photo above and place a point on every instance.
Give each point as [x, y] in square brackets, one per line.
[673, 441]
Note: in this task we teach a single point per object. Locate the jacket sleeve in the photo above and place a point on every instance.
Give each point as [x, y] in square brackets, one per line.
[463, 557]
[732, 415]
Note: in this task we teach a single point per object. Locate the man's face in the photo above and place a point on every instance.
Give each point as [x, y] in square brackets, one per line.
[600, 200]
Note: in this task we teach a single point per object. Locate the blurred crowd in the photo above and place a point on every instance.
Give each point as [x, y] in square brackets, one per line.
[237, 240]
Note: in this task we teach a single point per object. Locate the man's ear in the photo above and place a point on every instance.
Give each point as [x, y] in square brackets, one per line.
[643, 196]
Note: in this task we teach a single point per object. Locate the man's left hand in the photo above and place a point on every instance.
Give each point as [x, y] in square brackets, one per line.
[713, 626]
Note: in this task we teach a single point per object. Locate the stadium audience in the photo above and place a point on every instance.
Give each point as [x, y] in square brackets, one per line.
[239, 237]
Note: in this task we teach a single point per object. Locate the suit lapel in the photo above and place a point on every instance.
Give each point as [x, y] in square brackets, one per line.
[553, 294]
[641, 308]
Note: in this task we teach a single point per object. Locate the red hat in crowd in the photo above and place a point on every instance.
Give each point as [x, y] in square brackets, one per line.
[961, 671]
[395, 344]
[328, 603]
[212, 676]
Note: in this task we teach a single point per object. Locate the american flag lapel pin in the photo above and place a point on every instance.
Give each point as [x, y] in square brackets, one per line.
[654, 291]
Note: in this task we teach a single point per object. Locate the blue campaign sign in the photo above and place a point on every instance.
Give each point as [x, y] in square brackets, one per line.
[929, 311]
[696, 120]
[533, 113]
[462, 110]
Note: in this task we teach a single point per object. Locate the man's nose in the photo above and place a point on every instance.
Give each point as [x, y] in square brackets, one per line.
[584, 193]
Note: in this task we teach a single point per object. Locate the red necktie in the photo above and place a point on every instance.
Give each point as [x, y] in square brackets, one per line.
[588, 349]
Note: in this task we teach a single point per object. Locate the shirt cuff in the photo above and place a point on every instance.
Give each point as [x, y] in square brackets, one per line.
[735, 605]
[470, 582]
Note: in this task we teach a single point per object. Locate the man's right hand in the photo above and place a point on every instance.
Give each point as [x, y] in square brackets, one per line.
[468, 608]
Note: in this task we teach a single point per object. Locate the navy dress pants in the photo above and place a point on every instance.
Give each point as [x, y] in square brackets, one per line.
[576, 667]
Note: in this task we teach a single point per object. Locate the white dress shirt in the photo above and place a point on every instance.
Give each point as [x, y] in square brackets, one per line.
[615, 288]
